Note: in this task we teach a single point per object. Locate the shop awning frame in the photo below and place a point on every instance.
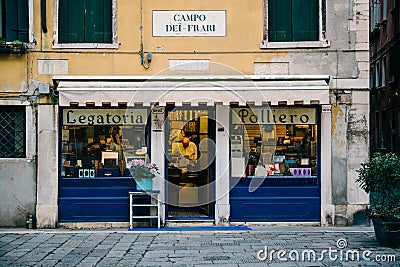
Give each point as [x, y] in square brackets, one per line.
[194, 90]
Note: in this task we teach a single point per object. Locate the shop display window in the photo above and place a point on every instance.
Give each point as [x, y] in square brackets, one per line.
[274, 142]
[102, 142]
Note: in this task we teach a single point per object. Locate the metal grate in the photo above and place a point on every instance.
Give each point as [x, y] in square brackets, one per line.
[12, 131]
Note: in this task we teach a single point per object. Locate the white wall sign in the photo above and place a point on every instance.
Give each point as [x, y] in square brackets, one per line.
[189, 23]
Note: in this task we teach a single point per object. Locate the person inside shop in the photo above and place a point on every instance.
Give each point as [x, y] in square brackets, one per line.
[306, 146]
[188, 149]
[187, 156]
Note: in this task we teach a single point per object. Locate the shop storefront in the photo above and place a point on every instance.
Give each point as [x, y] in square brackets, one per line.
[275, 174]
[97, 147]
[254, 154]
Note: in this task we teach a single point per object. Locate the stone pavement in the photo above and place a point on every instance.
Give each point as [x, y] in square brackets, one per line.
[261, 246]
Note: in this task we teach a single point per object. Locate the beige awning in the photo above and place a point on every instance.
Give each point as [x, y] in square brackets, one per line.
[210, 90]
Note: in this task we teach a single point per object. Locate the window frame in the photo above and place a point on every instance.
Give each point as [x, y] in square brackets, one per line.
[114, 27]
[27, 153]
[384, 11]
[321, 43]
[378, 79]
[372, 77]
[375, 14]
[383, 72]
[31, 37]
[121, 125]
[276, 143]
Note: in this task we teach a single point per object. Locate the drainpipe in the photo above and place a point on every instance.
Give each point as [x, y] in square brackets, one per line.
[43, 15]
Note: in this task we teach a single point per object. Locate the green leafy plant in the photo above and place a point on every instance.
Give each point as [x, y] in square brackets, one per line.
[17, 42]
[381, 178]
[141, 169]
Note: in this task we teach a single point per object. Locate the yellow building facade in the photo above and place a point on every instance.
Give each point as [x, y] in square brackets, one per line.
[278, 110]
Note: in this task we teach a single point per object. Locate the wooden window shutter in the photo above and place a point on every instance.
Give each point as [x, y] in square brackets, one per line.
[16, 20]
[107, 21]
[279, 20]
[293, 20]
[62, 21]
[98, 21]
[305, 14]
[301, 20]
[76, 21]
[71, 21]
[91, 24]
[284, 20]
[314, 20]
[272, 20]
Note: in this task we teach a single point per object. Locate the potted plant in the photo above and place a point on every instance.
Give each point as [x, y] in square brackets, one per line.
[143, 173]
[14, 47]
[380, 177]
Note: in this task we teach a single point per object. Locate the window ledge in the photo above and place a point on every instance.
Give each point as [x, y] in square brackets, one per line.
[11, 48]
[86, 45]
[306, 44]
[16, 160]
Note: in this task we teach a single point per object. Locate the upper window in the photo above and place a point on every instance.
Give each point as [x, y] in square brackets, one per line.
[375, 14]
[12, 131]
[293, 20]
[92, 24]
[14, 20]
[294, 23]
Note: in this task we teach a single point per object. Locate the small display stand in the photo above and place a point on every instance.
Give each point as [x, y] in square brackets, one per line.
[153, 205]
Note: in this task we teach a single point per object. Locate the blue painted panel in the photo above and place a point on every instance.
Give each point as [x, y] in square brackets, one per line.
[275, 200]
[98, 182]
[275, 210]
[95, 199]
[92, 209]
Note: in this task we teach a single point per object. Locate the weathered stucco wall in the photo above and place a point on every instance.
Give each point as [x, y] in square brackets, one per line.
[17, 192]
[18, 176]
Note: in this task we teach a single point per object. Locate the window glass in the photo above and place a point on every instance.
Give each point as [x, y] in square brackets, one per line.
[383, 74]
[14, 20]
[274, 142]
[12, 131]
[385, 10]
[91, 23]
[102, 142]
[371, 78]
[377, 75]
[293, 20]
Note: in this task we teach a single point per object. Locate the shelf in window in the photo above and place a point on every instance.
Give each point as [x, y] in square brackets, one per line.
[145, 217]
[144, 205]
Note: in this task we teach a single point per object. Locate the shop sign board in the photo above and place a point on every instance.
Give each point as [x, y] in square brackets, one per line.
[205, 23]
[158, 118]
[274, 115]
[105, 116]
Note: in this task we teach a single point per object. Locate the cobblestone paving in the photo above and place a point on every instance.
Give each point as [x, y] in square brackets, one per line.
[262, 246]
